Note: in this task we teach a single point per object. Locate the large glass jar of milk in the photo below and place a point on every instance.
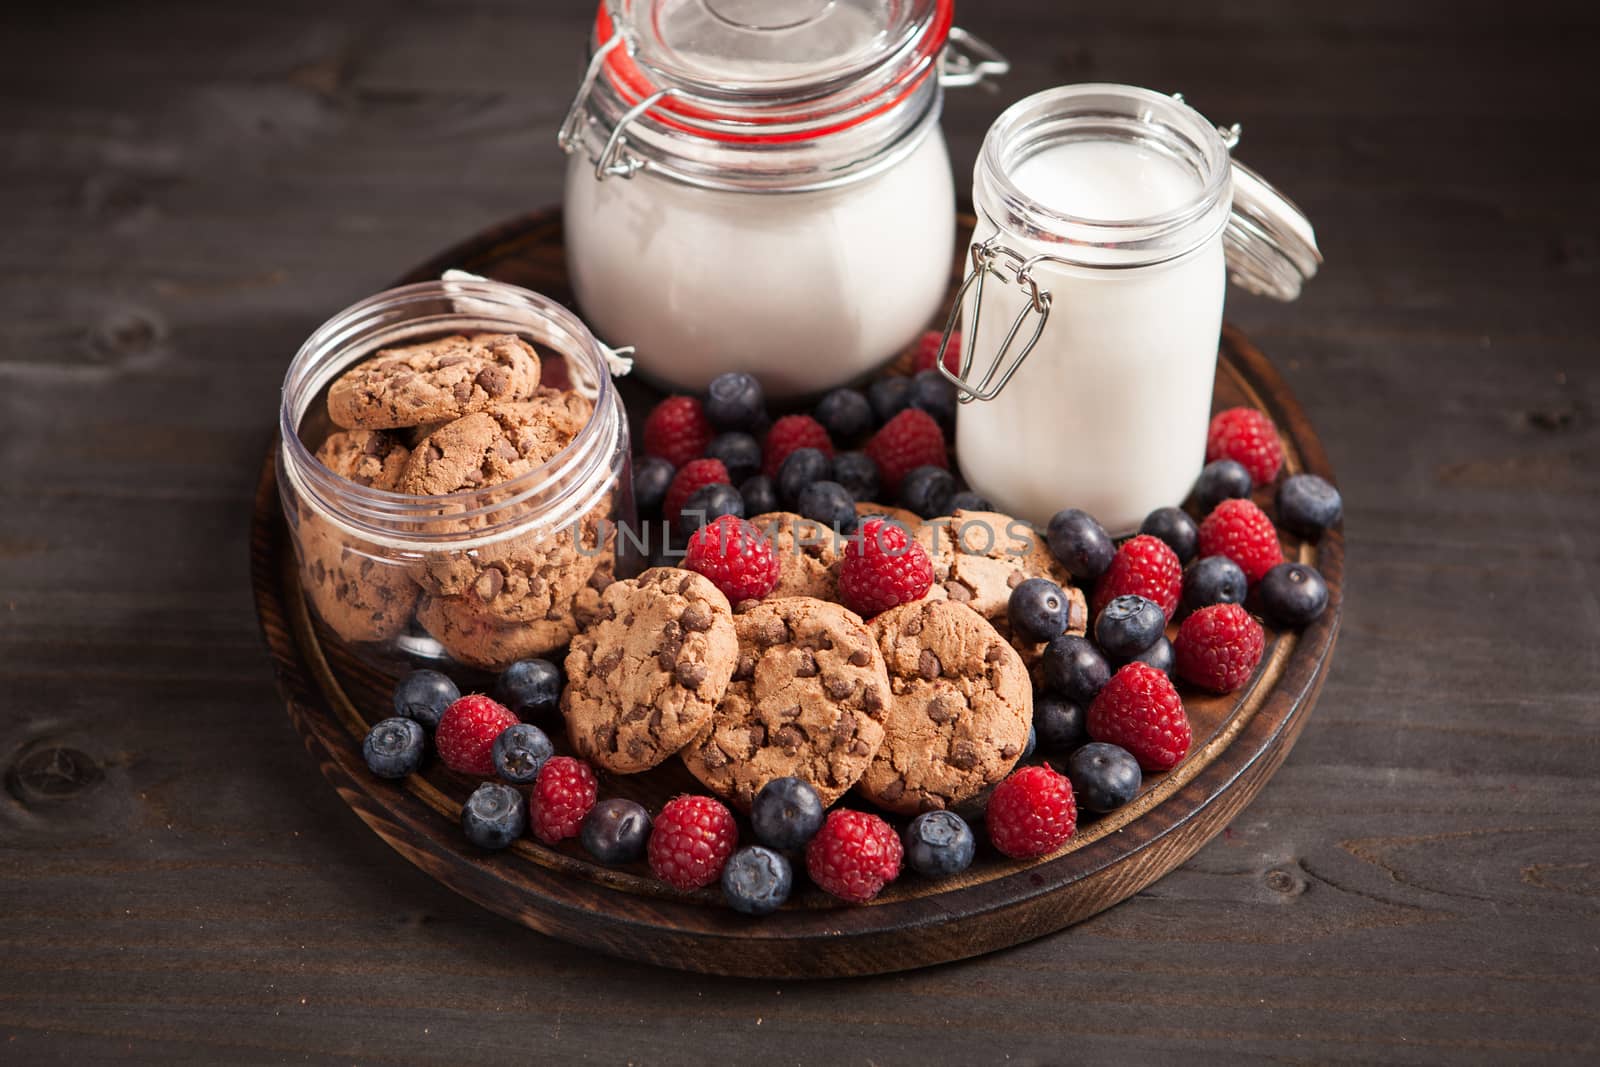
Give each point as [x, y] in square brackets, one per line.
[1109, 219]
[761, 185]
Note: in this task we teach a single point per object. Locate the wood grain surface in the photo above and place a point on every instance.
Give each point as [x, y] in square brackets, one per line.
[190, 188]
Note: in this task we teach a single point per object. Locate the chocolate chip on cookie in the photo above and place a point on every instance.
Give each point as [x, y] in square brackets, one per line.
[434, 381]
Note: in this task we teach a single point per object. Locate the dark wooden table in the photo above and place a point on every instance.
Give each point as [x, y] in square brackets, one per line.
[189, 188]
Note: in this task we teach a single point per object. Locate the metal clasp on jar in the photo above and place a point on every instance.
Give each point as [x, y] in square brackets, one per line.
[968, 60]
[992, 259]
[614, 160]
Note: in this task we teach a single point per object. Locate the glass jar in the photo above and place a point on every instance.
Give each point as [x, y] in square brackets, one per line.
[484, 576]
[761, 185]
[1109, 218]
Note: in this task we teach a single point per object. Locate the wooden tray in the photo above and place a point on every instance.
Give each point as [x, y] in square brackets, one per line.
[1240, 740]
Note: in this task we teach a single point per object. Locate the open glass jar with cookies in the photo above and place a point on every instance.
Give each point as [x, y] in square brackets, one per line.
[453, 467]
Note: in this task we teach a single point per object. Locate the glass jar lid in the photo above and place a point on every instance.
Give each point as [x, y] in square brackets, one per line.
[1271, 248]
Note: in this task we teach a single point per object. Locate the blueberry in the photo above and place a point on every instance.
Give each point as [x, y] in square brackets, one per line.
[1213, 580]
[830, 504]
[734, 401]
[1080, 544]
[858, 473]
[494, 815]
[1176, 528]
[1307, 505]
[760, 495]
[938, 844]
[1061, 724]
[1158, 655]
[739, 452]
[786, 813]
[927, 490]
[529, 687]
[846, 414]
[1293, 594]
[520, 753]
[799, 469]
[1127, 626]
[423, 696]
[616, 831]
[1037, 610]
[933, 393]
[967, 500]
[1031, 747]
[651, 477]
[1074, 668]
[394, 747]
[1104, 776]
[756, 881]
[707, 504]
[1223, 480]
[889, 396]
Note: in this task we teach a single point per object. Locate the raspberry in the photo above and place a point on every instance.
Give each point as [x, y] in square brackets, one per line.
[790, 434]
[1249, 438]
[561, 798]
[693, 475]
[1141, 711]
[882, 567]
[854, 855]
[910, 440]
[691, 841]
[927, 351]
[466, 732]
[1145, 566]
[737, 559]
[1242, 532]
[1031, 813]
[1218, 647]
[677, 430]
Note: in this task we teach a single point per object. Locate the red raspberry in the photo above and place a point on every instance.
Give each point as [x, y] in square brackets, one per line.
[854, 855]
[928, 351]
[1218, 647]
[1144, 566]
[737, 559]
[1031, 813]
[466, 732]
[910, 440]
[1248, 437]
[1141, 711]
[562, 796]
[882, 567]
[677, 430]
[789, 434]
[690, 842]
[691, 476]
[1242, 532]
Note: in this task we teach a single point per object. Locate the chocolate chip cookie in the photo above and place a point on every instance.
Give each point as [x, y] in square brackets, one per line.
[807, 552]
[980, 556]
[373, 458]
[647, 676]
[486, 448]
[960, 707]
[434, 381]
[807, 699]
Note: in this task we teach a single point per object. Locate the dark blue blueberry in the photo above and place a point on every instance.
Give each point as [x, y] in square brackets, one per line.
[938, 844]
[1061, 724]
[830, 504]
[734, 401]
[1225, 479]
[846, 414]
[394, 747]
[967, 500]
[1104, 776]
[756, 881]
[1080, 544]
[651, 477]
[799, 469]
[707, 504]
[616, 831]
[520, 753]
[1032, 746]
[1176, 528]
[1127, 626]
[858, 473]
[739, 452]
[786, 813]
[494, 815]
[760, 495]
[1158, 655]
[1074, 668]
[889, 396]
[927, 490]
[933, 393]
[1213, 580]
[1293, 594]
[423, 696]
[529, 687]
[1307, 505]
[1037, 610]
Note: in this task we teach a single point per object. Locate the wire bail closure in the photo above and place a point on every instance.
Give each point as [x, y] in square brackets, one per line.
[968, 60]
[990, 258]
[614, 160]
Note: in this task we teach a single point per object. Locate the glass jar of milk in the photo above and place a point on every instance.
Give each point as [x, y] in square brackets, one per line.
[1109, 219]
[761, 185]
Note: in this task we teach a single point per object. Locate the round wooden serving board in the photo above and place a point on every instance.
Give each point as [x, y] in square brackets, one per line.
[1239, 741]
